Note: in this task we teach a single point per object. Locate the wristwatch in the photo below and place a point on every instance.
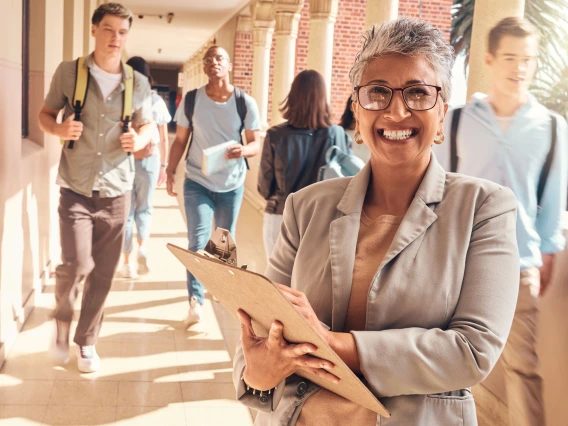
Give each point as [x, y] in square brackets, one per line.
[165, 166]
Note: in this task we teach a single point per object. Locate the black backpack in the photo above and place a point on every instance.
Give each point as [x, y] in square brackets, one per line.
[189, 107]
[545, 169]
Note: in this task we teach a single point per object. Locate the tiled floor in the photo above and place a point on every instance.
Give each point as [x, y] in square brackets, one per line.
[153, 371]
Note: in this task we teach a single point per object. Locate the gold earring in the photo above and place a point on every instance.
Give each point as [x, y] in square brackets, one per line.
[439, 139]
[358, 138]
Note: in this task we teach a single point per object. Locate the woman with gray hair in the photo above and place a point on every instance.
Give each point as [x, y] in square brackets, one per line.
[409, 273]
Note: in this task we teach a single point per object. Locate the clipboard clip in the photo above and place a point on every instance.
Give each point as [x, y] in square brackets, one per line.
[222, 247]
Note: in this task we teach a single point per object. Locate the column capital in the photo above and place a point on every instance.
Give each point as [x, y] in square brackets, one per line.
[263, 11]
[244, 24]
[288, 6]
[262, 36]
[324, 9]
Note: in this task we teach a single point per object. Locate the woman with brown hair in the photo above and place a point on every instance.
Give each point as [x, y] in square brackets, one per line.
[294, 151]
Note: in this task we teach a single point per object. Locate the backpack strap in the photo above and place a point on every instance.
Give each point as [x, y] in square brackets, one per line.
[188, 108]
[548, 163]
[82, 79]
[127, 100]
[128, 96]
[454, 140]
[241, 106]
[242, 111]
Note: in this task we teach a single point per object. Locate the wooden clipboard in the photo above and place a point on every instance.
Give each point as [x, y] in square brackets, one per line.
[236, 288]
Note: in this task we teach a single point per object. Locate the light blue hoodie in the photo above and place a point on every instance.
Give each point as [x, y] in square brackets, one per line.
[515, 159]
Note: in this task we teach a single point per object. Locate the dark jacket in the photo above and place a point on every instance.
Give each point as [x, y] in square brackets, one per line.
[291, 159]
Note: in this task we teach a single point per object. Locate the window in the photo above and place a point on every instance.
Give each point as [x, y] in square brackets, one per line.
[25, 66]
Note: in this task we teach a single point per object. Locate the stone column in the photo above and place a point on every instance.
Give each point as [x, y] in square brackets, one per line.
[486, 14]
[381, 11]
[185, 71]
[89, 7]
[263, 30]
[286, 32]
[323, 14]
[194, 73]
[73, 29]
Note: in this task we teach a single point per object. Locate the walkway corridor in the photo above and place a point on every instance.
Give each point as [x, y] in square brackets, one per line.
[153, 372]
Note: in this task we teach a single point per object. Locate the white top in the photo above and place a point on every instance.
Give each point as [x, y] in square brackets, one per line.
[107, 82]
[504, 123]
[161, 116]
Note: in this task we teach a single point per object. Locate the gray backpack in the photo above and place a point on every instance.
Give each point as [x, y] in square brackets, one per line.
[340, 161]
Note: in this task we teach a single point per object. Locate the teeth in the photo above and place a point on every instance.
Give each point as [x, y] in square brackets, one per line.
[397, 134]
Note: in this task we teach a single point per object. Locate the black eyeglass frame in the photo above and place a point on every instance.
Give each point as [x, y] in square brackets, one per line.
[393, 90]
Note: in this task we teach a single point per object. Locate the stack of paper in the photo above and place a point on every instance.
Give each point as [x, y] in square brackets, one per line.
[214, 158]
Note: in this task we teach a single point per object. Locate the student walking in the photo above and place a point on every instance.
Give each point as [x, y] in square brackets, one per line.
[507, 137]
[150, 165]
[212, 114]
[96, 173]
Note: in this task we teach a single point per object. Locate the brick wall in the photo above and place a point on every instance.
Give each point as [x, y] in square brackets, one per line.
[303, 39]
[349, 26]
[271, 80]
[438, 12]
[242, 61]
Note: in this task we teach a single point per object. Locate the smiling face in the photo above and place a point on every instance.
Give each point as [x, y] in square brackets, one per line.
[216, 64]
[513, 64]
[397, 135]
[110, 35]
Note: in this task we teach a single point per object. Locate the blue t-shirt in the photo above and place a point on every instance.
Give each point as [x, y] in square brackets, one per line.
[215, 123]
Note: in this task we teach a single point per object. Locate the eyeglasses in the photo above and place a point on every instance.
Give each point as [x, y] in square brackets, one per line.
[418, 97]
[218, 58]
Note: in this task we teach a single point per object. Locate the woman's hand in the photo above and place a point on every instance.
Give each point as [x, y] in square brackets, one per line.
[272, 359]
[302, 305]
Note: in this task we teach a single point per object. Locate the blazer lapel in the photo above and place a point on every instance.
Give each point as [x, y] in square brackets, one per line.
[420, 215]
[343, 233]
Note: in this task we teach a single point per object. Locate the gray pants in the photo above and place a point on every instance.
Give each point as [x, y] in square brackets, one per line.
[520, 360]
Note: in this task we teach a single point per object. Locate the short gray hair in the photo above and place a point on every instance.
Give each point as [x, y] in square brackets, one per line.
[407, 37]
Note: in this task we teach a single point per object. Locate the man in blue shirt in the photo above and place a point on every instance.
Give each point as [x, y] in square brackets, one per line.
[215, 120]
[505, 137]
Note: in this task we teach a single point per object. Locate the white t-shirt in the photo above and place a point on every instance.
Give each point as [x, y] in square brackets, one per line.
[504, 123]
[107, 82]
[161, 116]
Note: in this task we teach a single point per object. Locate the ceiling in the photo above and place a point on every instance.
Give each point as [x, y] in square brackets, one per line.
[168, 45]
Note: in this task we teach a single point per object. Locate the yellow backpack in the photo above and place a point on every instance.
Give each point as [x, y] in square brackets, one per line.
[82, 79]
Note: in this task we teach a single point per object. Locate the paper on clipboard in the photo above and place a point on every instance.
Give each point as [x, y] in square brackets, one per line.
[236, 288]
[214, 158]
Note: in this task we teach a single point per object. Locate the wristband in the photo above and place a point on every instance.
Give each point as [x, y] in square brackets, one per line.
[254, 391]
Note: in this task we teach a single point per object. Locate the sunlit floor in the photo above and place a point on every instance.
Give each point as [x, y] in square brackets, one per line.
[153, 371]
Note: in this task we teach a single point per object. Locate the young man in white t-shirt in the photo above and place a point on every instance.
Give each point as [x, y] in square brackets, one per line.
[505, 137]
[95, 174]
[215, 120]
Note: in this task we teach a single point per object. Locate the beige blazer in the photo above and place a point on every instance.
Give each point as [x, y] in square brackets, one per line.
[440, 305]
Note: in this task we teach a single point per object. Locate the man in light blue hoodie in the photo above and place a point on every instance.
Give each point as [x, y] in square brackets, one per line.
[507, 137]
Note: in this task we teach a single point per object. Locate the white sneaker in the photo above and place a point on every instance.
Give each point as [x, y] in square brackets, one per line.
[127, 271]
[88, 360]
[195, 313]
[142, 263]
[59, 345]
